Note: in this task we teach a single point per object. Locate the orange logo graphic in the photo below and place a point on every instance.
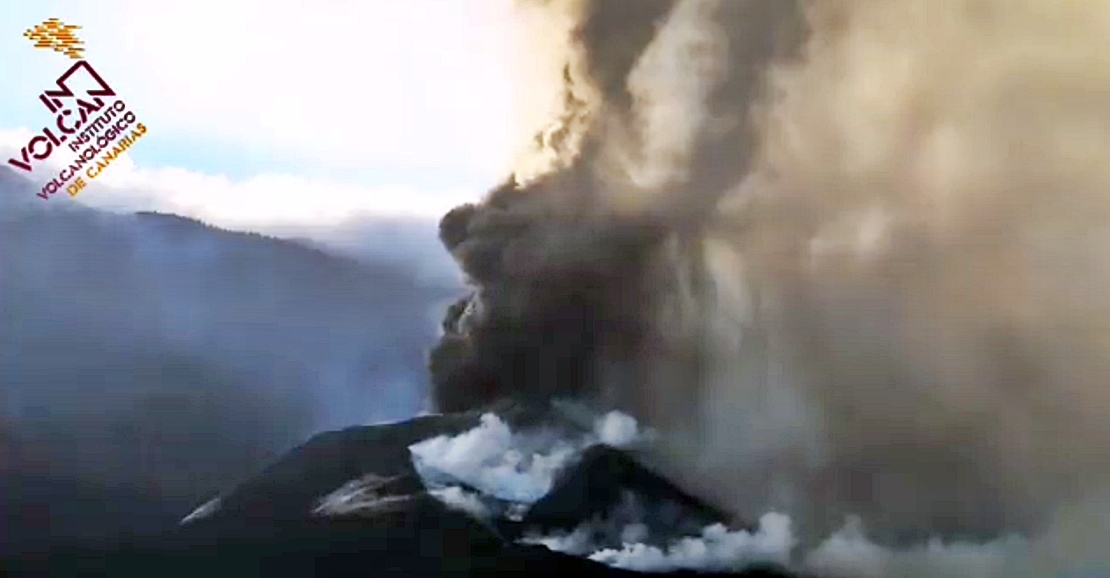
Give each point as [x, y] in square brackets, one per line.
[57, 36]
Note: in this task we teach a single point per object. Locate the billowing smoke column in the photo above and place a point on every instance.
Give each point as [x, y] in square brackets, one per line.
[652, 132]
[849, 257]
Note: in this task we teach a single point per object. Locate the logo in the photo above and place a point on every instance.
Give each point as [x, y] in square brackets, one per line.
[89, 117]
[58, 36]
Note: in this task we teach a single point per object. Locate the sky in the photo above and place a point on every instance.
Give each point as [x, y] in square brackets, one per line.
[281, 111]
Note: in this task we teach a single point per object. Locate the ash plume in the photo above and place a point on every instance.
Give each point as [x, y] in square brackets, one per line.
[845, 256]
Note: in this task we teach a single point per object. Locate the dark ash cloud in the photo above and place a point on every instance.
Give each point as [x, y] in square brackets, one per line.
[844, 254]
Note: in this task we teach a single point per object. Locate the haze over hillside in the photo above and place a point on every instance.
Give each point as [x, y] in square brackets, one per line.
[153, 351]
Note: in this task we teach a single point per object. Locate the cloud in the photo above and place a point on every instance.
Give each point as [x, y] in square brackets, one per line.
[848, 552]
[717, 549]
[263, 200]
[494, 460]
[397, 96]
[205, 510]
[457, 498]
[518, 467]
[398, 84]
[359, 495]
[617, 429]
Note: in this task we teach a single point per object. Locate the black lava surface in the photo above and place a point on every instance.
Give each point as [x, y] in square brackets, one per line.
[267, 526]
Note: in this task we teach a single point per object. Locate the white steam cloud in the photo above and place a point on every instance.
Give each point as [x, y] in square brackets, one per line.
[717, 549]
[491, 459]
[847, 553]
[359, 495]
[517, 467]
[205, 510]
[459, 499]
[520, 467]
[617, 429]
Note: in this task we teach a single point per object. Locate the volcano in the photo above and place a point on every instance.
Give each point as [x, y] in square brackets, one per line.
[352, 502]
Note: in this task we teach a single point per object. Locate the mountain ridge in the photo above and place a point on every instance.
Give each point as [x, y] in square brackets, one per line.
[180, 357]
